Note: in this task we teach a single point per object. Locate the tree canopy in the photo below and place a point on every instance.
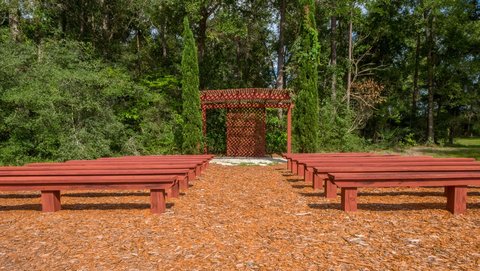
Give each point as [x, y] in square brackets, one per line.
[90, 78]
[192, 118]
[306, 58]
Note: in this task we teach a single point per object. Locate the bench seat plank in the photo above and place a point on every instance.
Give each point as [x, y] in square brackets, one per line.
[301, 165]
[196, 166]
[94, 172]
[134, 166]
[402, 176]
[17, 180]
[397, 166]
[408, 183]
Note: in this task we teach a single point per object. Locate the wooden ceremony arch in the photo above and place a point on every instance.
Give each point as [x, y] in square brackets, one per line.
[246, 113]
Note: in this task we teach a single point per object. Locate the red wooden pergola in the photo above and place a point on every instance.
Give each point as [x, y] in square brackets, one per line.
[246, 114]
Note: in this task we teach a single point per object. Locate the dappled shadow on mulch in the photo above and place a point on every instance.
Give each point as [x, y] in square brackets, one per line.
[240, 218]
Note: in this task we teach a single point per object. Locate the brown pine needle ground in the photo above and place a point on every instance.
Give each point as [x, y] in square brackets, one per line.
[240, 218]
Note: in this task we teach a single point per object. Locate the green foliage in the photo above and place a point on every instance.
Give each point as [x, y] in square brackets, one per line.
[276, 135]
[161, 115]
[216, 131]
[59, 103]
[306, 58]
[336, 129]
[192, 118]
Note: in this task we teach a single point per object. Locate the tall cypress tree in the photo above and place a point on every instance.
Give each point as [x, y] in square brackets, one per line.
[306, 57]
[192, 118]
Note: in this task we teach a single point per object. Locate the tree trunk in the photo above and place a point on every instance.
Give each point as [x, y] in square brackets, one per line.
[281, 52]
[239, 60]
[106, 34]
[14, 20]
[451, 136]
[333, 57]
[350, 57]
[430, 38]
[451, 131]
[202, 37]
[139, 54]
[415, 82]
[63, 20]
[83, 19]
[281, 46]
[164, 40]
[202, 34]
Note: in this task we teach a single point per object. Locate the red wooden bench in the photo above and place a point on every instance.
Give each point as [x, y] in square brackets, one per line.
[301, 165]
[330, 189]
[199, 166]
[293, 156]
[455, 184]
[196, 166]
[51, 182]
[311, 168]
[202, 160]
[160, 174]
[185, 175]
[298, 163]
[199, 163]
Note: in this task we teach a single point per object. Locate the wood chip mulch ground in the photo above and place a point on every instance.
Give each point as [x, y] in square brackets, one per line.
[240, 218]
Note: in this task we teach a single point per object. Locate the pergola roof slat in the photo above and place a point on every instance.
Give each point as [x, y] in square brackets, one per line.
[252, 95]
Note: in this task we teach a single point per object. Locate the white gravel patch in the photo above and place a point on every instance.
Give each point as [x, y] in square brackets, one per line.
[236, 161]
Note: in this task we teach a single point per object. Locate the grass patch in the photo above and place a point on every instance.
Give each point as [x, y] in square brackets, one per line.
[468, 142]
[463, 147]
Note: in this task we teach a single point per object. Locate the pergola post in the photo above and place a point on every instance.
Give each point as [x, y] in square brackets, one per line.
[289, 128]
[204, 120]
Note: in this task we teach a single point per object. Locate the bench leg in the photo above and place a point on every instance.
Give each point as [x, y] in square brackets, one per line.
[294, 167]
[301, 170]
[174, 191]
[317, 182]
[198, 170]
[50, 201]
[456, 199]
[191, 175]
[157, 201]
[289, 164]
[309, 175]
[184, 183]
[349, 199]
[330, 189]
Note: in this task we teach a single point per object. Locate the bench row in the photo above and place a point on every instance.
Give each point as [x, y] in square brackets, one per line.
[162, 175]
[351, 171]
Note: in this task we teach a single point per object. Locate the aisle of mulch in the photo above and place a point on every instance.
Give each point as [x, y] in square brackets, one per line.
[240, 218]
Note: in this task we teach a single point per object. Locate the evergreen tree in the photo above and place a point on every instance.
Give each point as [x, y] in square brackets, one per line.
[306, 112]
[192, 126]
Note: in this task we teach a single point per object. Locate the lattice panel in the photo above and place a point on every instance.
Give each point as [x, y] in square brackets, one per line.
[246, 132]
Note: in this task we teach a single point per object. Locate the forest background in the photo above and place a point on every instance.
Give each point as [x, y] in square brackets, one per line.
[89, 78]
